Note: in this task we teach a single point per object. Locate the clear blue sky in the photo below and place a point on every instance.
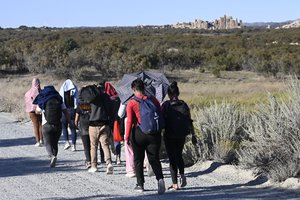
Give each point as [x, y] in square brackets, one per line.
[70, 13]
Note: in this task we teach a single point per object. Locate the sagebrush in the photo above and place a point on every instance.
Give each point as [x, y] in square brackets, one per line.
[273, 147]
[221, 130]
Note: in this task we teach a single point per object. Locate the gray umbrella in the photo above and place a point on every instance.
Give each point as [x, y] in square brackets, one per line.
[156, 84]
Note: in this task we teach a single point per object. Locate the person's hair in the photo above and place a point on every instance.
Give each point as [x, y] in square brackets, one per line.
[101, 85]
[138, 84]
[173, 89]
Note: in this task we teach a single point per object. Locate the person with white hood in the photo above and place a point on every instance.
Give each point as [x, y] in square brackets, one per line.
[69, 92]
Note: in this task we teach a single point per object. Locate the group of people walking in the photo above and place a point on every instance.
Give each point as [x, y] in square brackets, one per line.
[95, 109]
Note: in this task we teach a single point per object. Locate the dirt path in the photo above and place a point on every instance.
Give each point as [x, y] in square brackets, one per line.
[25, 174]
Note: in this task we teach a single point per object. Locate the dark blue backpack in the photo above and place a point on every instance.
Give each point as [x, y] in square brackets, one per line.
[152, 121]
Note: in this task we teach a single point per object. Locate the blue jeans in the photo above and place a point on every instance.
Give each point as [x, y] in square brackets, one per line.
[64, 123]
[118, 148]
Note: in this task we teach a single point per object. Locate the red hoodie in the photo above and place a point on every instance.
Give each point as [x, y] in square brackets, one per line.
[133, 114]
[110, 90]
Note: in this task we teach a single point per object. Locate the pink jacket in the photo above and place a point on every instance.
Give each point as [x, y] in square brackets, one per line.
[31, 94]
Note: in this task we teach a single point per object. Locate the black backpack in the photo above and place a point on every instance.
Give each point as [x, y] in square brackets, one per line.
[53, 111]
[177, 118]
[84, 111]
[69, 99]
[101, 108]
[88, 94]
[114, 105]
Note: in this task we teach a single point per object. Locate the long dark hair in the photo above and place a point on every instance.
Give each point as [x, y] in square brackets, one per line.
[173, 89]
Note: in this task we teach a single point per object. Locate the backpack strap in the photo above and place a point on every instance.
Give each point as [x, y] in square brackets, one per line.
[140, 99]
[137, 99]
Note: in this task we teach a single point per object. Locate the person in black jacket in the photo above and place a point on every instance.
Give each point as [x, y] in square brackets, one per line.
[98, 125]
[82, 117]
[178, 124]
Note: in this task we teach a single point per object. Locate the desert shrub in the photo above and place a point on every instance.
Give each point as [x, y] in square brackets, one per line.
[273, 147]
[191, 153]
[221, 129]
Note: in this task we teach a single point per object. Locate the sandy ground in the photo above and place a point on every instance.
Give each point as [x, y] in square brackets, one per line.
[25, 174]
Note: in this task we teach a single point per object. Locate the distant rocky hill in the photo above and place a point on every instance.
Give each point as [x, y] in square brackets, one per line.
[285, 24]
[267, 24]
[294, 24]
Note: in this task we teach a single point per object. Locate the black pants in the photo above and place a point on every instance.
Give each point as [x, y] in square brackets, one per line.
[151, 144]
[51, 134]
[174, 148]
[87, 147]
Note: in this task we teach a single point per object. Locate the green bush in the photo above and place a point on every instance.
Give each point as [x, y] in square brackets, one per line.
[130, 49]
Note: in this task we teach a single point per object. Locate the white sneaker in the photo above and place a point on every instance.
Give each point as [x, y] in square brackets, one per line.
[53, 161]
[73, 147]
[130, 175]
[67, 146]
[37, 144]
[161, 186]
[109, 169]
[93, 169]
[41, 142]
[118, 160]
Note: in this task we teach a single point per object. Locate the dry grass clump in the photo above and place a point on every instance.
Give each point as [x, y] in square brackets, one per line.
[221, 127]
[274, 131]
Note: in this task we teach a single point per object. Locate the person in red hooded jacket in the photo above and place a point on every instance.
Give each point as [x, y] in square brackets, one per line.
[142, 142]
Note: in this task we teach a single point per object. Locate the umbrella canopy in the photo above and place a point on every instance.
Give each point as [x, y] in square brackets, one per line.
[156, 84]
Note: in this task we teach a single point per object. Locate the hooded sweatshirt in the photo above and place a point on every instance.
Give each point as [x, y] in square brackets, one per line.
[68, 85]
[31, 94]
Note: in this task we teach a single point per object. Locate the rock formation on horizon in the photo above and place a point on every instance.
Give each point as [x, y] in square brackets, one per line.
[225, 22]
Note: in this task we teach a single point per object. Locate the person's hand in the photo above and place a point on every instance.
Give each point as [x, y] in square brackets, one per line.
[71, 125]
[194, 140]
[37, 112]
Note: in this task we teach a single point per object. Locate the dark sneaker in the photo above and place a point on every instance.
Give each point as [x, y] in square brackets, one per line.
[139, 188]
[182, 181]
[161, 186]
[88, 165]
